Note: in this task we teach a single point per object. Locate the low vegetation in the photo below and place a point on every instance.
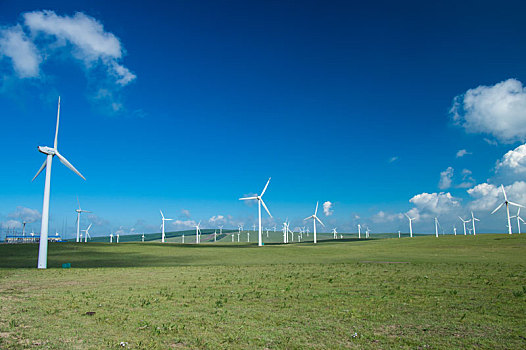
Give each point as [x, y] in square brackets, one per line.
[451, 292]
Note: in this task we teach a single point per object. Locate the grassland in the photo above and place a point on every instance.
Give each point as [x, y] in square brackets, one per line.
[451, 292]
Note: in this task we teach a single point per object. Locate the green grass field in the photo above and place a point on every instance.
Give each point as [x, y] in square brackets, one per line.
[446, 293]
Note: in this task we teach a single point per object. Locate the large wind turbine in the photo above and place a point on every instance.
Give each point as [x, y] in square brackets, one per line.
[314, 218]
[79, 211]
[260, 201]
[50, 153]
[436, 227]
[164, 219]
[507, 207]
[519, 219]
[473, 219]
[410, 225]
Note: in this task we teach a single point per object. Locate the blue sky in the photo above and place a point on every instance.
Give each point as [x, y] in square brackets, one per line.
[187, 106]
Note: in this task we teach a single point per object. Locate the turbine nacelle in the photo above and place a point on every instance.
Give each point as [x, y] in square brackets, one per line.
[47, 150]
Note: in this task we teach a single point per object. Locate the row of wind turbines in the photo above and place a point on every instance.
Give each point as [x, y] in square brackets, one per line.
[51, 152]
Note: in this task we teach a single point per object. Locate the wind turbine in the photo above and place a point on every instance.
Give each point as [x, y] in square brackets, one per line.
[198, 233]
[436, 227]
[464, 222]
[473, 219]
[215, 236]
[410, 225]
[260, 201]
[111, 237]
[87, 234]
[79, 211]
[285, 232]
[519, 219]
[455, 230]
[359, 231]
[164, 219]
[221, 230]
[314, 218]
[334, 233]
[143, 237]
[507, 207]
[118, 235]
[50, 153]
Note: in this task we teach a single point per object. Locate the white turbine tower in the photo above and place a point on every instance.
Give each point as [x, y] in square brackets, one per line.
[359, 231]
[473, 219]
[410, 225]
[79, 211]
[260, 201]
[519, 219]
[464, 222]
[198, 233]
[111, 237]
[143, 237]
[164, 219]
[334, 233]
[454, 230]
[507, 207]
[87, 234]
[50, 153]
[436, 227]
[314, 218]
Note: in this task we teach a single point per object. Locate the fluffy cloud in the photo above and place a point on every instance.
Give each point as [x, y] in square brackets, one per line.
[23, 54]
[184, 224]
[393, 159]
[85, 35]
[185, 213]
[498, 110]
[434, 203]
[513, 162]
[446, 177]
[382, 216]
[462, 153]
[328, 208]
[467, 179]
[488, 196]
[25, 214]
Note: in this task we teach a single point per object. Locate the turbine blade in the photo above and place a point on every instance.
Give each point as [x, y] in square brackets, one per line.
[503, 191]
[58, 119]
[319, 221]
[247, 198]
[264, 206]
[476, 219]
[68, 164]
[262, 193]
[310, 217]
[168, 219]
[501, 204]
[521, 219]
[517, 205]
[316, 211]
[40, 170]
[162, 213]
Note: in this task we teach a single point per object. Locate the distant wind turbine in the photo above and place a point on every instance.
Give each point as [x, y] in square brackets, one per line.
[111, 237]
[464, 222]
[314, 219]
[359, 231]
[198, 233]
[50, 153]
[164, 219]
[334, 233]
[436, 227]
[260, 201]
[410, 225]
[87, 234]
[454, 230]
[507, 207]
[473, 219]
[519, 219]
[79, 211]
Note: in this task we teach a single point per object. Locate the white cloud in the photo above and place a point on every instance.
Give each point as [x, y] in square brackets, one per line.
[467, 179]
[462, 153]
[88, 40]
[498, 110]
[185, 213]
[393, 159]
[11, 224]
[25, 214]
[435, 203]
[24, 55]
[184, 224]
[488, 196]
[217, 219]
[445, 178]
[382, 216]
[327, 208]
[513, 162]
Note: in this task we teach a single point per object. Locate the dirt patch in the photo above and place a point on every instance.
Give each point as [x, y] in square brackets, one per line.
[385, 262]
